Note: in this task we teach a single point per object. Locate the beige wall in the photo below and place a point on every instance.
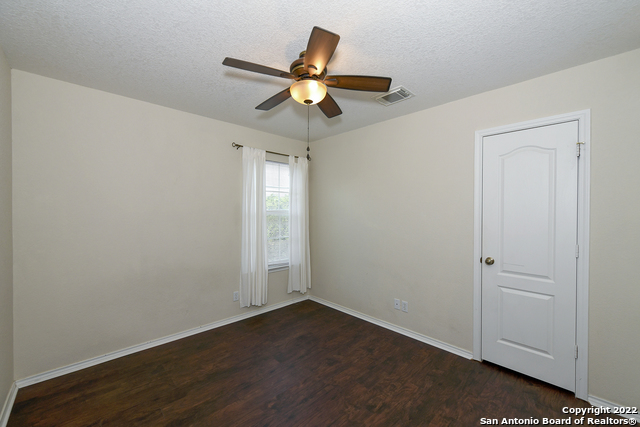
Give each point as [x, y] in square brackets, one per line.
[392, 213]
[126, 221]
[6, 248]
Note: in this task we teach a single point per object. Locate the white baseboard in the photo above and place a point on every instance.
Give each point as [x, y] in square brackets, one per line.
[8, 404]
[406, 332]
[596, 401]
[74, 367]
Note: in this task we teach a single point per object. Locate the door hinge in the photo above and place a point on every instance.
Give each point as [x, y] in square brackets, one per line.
[578, 148]
[576, 352]
[577, 251]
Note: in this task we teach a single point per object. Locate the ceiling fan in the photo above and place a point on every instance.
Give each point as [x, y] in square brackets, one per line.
[310, 74]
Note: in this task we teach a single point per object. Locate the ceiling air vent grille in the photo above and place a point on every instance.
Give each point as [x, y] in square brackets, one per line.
[394, 96]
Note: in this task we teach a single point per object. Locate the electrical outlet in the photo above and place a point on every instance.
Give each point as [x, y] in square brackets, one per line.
[405, 306]
[396, 303]
[236, 296]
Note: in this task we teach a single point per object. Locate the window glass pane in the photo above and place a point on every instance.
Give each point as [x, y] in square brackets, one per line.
[284, 249]
[273, 250]
[273, 200]
[284, 226]
[273, 227]
[284, 176]
[277, 212]
[273, 174]
[284, 201]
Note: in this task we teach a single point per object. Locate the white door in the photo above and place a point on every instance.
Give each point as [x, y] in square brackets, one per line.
[529, 231]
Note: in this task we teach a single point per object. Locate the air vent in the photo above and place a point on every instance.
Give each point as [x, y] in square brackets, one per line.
[394, 96]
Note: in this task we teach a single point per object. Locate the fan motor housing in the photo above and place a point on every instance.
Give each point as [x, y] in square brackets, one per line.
[298, 70]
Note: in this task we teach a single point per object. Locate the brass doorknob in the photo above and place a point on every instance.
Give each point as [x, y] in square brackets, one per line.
[489, 261]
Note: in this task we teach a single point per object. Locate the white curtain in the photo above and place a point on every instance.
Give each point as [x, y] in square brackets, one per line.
[299, 259]
[254, 267]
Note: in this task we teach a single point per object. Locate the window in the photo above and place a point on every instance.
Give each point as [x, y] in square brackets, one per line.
[277, 214]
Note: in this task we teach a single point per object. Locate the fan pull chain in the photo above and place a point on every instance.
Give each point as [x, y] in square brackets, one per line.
[308, 149]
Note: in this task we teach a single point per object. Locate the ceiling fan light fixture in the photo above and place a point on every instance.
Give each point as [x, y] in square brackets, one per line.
[307, 90]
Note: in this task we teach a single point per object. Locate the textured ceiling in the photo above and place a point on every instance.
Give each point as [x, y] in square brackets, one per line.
[170, 53]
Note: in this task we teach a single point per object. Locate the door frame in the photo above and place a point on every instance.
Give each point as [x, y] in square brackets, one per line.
[582, 270]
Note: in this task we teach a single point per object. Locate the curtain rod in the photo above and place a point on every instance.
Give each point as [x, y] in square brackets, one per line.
[237, 146]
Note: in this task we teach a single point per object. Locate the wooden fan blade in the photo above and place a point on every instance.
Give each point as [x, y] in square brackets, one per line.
[276, 99]
[256, 68]
[329, 106]
[366, 83]
[322, 44]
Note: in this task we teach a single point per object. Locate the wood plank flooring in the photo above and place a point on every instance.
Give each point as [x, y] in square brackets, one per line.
[302, 365]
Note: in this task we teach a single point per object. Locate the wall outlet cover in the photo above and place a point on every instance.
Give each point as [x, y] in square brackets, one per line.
[405, 306]
[236, 296]
[396, 303]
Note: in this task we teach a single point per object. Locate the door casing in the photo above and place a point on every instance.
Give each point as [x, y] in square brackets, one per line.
[582, 297]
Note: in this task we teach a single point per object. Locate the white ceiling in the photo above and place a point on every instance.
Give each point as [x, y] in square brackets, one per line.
[170, 52]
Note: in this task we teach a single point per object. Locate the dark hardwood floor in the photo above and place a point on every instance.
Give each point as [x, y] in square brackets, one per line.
[302, 365]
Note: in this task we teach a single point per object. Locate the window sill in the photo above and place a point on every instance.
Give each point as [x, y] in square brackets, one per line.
[278, 267]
